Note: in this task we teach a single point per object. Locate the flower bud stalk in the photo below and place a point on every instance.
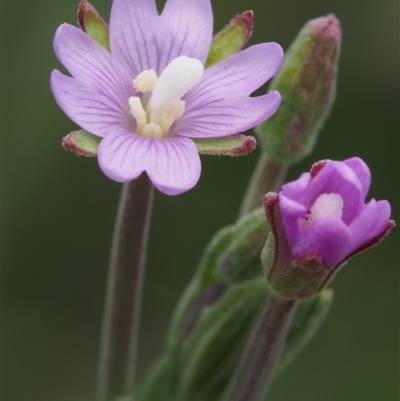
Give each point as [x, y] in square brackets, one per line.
[255, 370]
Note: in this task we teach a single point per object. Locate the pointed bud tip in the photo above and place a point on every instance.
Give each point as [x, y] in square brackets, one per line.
[246, 19]
[270, 199]
[84, 8]
[248, 146]
[328, 26]
[90, 21]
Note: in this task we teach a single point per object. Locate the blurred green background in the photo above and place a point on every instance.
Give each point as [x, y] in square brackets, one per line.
[58, 213]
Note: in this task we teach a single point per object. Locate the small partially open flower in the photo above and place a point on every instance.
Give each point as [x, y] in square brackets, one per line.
[150, 94]
[318, 222]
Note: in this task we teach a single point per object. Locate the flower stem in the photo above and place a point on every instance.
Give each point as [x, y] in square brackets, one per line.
[268, 176]
[255, 370]
[122, 306]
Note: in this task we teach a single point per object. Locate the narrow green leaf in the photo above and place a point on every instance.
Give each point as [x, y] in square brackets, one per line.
[205, 275]
[240, 261]
[231, 39]
[211, 353]
[158, 385]
[232, 145]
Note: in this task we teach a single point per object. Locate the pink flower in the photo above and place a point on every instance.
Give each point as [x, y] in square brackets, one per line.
[150, 95]
[321, 220]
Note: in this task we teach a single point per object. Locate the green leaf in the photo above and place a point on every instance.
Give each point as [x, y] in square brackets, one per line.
[232, 255]
[232, 145]
[204, 276]
[210, 354]
[240, 261]
[158, 385]
[89, 21]
[82, 143]
[231, 39]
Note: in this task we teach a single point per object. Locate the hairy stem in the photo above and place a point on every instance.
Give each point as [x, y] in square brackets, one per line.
[268, 176]
[123, 296]
[256, 367]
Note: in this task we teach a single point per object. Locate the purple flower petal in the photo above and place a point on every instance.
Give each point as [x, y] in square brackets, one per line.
[237, 76]
[172, 164]
[91, 64]
[227, 116]
[141, 39]
[371, 222]
[291, 214]
[96, 112]
[362, 171]
[328, 237]
[296, 189]
[134, 25]
[336, 177]
[187, 29]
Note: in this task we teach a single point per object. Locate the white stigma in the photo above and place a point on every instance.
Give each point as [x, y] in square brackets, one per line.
[160, 105]
[325, 205]
[179, 76]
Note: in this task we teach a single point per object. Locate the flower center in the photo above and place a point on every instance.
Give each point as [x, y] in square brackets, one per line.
[325, 205]
[160, 104]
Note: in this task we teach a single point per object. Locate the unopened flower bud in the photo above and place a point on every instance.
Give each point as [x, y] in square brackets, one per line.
[306, 82]
[318, 222]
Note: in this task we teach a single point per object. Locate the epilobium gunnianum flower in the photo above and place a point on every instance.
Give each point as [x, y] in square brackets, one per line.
[318, 222]
[307, 84]
[150, 95]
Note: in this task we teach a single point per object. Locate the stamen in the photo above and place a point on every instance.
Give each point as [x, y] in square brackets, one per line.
[152, 130]
[145, 81]
[138, 112]
[325, 205]
[159, 105]
[170, 114]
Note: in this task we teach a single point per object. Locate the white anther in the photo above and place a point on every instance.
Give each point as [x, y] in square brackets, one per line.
[145, 81]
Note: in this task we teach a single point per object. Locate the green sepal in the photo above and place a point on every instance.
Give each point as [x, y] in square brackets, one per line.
[302, 278]
[308, 317]
[90, 21]
[231, 39]
[210, 354]
[240, 261]
[307, 84]
[232, 145]
[82, 143]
